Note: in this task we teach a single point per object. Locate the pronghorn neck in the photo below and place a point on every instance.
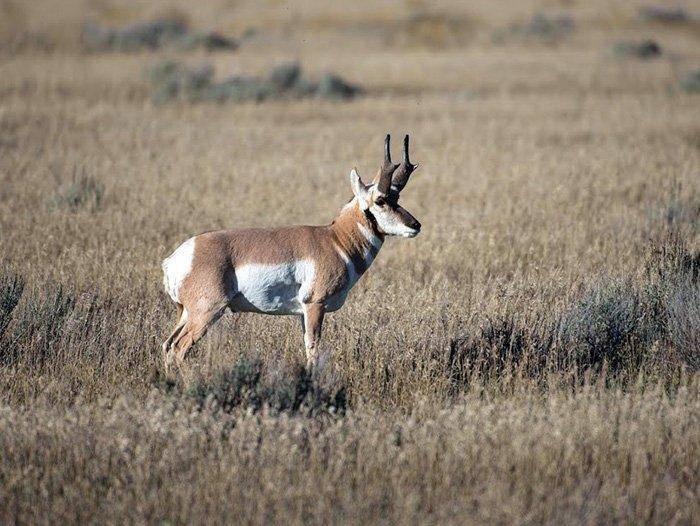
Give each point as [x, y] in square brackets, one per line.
[356, 235]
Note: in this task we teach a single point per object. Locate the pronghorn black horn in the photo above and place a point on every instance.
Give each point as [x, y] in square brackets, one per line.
[405, 169]
[387, 149]
[405, 150]
[387, 169]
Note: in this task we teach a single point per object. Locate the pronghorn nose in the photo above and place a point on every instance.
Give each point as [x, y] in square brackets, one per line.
[415, 225]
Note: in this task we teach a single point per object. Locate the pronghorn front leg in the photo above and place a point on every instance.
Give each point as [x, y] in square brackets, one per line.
[313, 320]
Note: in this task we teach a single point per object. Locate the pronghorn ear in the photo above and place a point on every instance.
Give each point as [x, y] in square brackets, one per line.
[359, 189]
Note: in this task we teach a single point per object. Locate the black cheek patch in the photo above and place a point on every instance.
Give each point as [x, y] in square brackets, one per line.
[373, 223]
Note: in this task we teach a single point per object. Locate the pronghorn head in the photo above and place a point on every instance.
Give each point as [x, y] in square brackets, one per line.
[380, 200]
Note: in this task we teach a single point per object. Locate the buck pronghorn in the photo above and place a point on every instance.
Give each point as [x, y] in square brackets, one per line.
[300, 270]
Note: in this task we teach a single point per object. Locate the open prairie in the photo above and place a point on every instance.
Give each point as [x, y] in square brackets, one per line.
[531, 357]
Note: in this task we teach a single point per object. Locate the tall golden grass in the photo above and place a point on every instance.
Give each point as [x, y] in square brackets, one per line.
[531, 357]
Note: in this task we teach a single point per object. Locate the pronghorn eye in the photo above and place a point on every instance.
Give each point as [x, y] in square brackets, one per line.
[380, 201]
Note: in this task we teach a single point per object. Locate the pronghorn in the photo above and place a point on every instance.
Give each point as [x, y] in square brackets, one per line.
[300, 270]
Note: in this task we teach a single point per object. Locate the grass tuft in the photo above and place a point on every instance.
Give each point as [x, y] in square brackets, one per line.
[246, 385]
[82, 191]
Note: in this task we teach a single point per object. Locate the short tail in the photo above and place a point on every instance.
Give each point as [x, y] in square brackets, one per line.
[177, 267]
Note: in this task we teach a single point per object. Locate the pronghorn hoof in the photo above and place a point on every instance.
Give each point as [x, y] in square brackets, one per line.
[168, 359]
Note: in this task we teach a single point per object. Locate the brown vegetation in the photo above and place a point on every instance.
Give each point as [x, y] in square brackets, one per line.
[545, 370]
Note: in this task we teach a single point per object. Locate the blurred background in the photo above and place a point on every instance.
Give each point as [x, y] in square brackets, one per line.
[402, 48]
[531, 357]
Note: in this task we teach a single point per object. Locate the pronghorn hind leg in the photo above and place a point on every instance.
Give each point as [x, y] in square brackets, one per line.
[194, 329]
[178, 326]
[181, 319]
[313, 323]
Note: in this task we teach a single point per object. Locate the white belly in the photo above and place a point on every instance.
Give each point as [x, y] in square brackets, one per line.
[273, 289]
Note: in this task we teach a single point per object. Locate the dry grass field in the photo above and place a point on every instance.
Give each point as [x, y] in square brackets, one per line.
[531, 357]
